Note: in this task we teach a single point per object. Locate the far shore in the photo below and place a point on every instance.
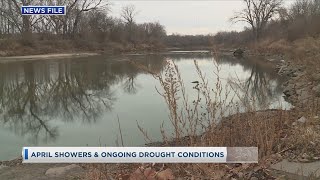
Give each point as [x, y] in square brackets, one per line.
[44, 57]
[50, 56]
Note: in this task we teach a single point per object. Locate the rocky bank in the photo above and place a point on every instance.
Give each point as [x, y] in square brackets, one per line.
[302, 88]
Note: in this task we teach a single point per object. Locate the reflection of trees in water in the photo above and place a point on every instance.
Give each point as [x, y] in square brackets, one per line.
[20, 108]
[154, 63]
[261, 86]
[129, 74]
[130, 86]
[34, 94]
[79, 93]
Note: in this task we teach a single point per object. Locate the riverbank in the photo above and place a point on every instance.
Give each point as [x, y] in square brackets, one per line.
[284, 137]
[302, 88]
[45, 57]
[16, 47]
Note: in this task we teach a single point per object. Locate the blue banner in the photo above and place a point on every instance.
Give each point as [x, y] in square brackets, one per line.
[43, 10]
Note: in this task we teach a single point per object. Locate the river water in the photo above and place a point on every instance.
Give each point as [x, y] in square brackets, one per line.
[77, 102]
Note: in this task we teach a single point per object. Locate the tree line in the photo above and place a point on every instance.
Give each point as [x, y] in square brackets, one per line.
[270, 20]
[87, 23]
[90, 25]
[188, 41]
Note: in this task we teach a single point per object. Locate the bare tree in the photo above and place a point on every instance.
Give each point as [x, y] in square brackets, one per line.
[305, 8]
[128, 13]
[257, 13]
[85, 6]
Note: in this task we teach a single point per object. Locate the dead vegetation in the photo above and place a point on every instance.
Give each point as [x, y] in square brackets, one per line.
[203, 122]
[292, 31]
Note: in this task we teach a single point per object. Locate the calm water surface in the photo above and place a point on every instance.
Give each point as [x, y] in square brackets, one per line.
[75, 102]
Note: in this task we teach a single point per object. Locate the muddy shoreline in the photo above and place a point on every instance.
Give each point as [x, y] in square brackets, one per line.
[45, 57]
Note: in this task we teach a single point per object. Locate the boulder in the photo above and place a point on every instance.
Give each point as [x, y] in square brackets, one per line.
[238, 52]
[3, 53]
[289, 89]
[3, 166]
[302, 120]
[316, 89]
[316, 76]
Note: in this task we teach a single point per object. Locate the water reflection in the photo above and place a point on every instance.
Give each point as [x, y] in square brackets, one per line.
[37, 97]
[262, 86]
[32, 94]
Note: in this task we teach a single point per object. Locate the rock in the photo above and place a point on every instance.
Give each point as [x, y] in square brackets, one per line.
[165, 175]
[254, 178]
[302, 120]
[313, 143]
[304, 95]
[59, 171]
[316, 158]
[316, 89]
[285, 83]
[298, 168]
[141, 173]
[305, 156]
[282, 69]
[316, 117]
[137, 174]
[3, 53]
[316, 77]
[240, 175]
[300, 85]
[238, 53]
[289, 90]
[294, 74]
[3, 166]
[303, 160]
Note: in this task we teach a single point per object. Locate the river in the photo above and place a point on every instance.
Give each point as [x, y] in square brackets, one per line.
[77, 102]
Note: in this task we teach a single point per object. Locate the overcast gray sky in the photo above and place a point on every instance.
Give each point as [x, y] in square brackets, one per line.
[186, 17]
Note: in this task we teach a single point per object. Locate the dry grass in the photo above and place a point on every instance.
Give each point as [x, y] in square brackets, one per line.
[203, 122]
[304, 52]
